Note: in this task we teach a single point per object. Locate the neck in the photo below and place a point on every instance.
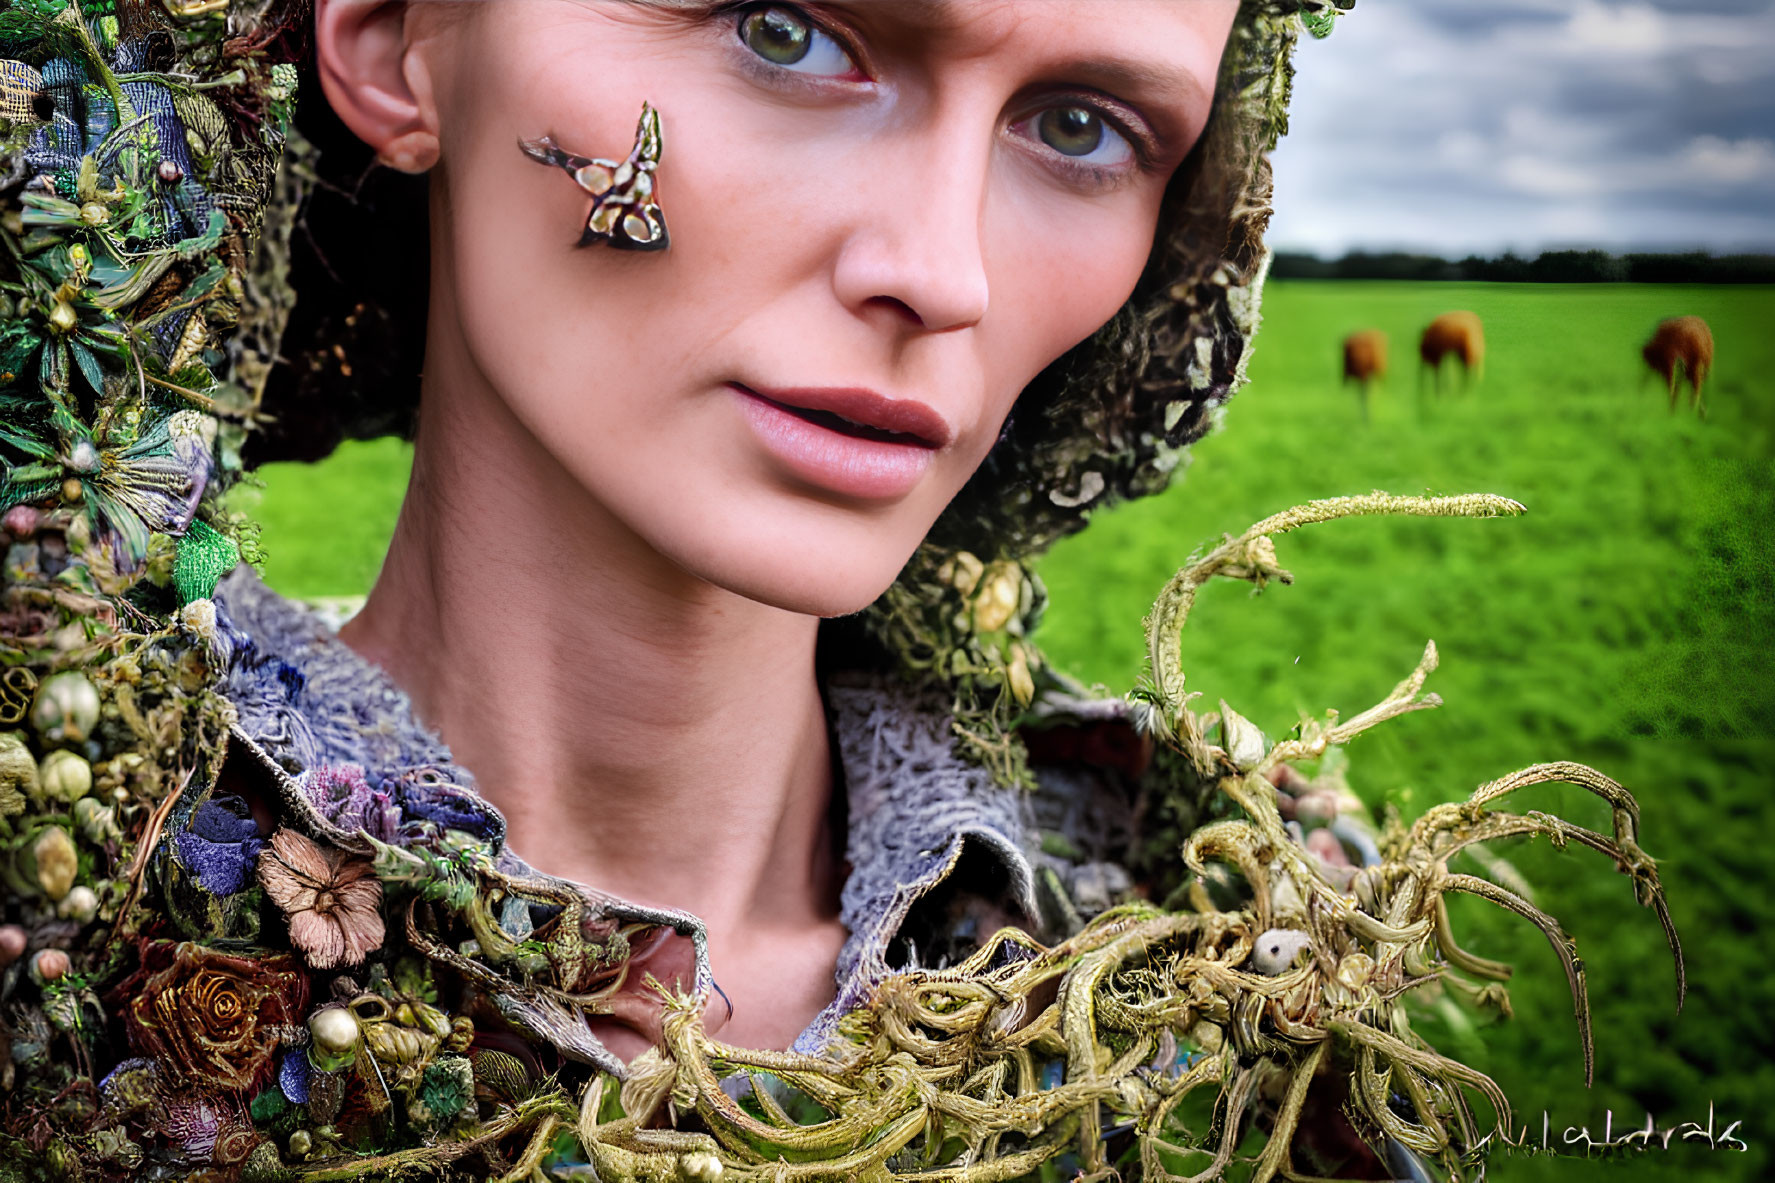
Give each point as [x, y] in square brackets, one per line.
[643, 730]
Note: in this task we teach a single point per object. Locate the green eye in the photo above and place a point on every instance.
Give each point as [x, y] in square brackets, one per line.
[788, 38]
[1083, 135]
[777, 35]
[1071, 131]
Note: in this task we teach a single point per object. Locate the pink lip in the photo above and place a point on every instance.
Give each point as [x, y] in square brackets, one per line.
[853, 441]
[901, 416]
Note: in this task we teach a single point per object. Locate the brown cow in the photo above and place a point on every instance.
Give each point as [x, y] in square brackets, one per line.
[1457, 333]
[1682, 348]
[1365, 361]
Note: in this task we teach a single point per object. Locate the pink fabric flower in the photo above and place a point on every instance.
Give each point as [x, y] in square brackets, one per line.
[332, 900]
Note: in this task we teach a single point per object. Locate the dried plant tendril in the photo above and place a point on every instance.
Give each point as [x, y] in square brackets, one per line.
[1026, 1054]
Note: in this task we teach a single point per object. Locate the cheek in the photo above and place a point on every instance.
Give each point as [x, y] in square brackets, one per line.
[734, 197]
[1060, 270]
[552, 323]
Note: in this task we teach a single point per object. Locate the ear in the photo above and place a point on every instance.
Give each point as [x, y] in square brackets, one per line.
[376, 84]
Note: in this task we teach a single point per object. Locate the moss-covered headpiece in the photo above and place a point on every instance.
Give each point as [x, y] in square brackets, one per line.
[141, 150]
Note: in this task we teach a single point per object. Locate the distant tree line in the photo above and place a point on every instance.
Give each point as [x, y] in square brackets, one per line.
[1547, 267]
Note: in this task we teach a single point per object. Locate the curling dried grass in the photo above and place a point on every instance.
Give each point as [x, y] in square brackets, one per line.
[949, 1074]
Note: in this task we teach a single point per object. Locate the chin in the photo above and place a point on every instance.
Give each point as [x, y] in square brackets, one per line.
[755, 536]
[811, 588]
[824, 577]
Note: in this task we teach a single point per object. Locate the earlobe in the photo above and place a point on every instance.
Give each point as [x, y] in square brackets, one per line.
[415, 153]
[376, 84]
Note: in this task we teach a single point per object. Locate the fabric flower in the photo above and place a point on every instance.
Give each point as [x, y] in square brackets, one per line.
[345, 797]
[332, 900]
[449, 807]
[202, 1129]
[221, 845]
[210, 1017]
[447, 1088]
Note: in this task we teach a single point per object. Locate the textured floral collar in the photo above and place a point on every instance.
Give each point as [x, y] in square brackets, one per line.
[343, 746]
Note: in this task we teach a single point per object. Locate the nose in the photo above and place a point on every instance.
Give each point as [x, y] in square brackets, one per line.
[915, 250]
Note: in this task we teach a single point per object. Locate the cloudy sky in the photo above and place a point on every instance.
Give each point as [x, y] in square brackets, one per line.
[1457, 126]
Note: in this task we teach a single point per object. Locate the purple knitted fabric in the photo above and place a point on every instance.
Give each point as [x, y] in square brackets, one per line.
[221, 846]
[343, 793]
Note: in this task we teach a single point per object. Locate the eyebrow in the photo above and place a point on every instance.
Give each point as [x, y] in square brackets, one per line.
[1167, 93]
[1130, 78]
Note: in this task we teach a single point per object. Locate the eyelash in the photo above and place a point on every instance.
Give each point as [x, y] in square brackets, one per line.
[1114, 120]
[739, 11]
[1140, 148]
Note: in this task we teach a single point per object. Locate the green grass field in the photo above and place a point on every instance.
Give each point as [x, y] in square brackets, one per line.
[1625, 621]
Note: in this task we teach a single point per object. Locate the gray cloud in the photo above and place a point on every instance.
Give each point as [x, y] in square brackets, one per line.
[1451, 126]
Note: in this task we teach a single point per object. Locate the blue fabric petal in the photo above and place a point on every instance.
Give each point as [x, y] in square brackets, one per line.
[221, 846]
[294, 1075]
[449, 808]
[216, 821]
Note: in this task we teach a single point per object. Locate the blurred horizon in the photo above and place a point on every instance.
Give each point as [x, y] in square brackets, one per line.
[1522, 126]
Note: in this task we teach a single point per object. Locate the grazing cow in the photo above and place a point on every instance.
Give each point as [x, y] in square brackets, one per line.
[1682, 348]
[1365, 361]
[1457, 333]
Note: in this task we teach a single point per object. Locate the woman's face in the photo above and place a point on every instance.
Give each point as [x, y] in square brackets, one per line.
[885, 216]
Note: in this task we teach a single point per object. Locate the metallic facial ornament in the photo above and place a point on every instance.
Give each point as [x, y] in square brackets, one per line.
[624, 212]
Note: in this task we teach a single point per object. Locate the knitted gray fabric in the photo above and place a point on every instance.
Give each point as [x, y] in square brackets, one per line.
[308, 700]
[918, 811]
